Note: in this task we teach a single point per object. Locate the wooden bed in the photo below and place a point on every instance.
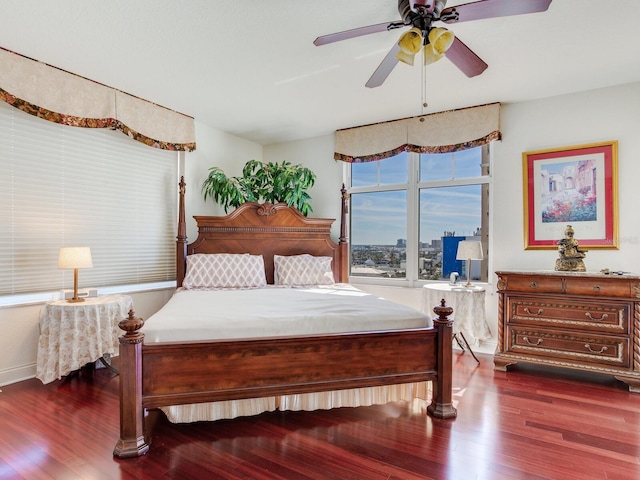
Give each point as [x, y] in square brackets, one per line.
[260, 367]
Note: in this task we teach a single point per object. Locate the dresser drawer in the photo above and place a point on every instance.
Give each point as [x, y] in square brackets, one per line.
[605, 286]
[601, 317]
[534, 284]
[571, 347]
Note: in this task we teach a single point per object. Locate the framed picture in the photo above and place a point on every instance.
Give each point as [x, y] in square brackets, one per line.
[574, 186]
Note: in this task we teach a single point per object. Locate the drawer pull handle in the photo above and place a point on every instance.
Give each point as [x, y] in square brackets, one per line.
[534, 285]
[539, 312]
[596, 288]
[538, 342]
[603, 317]
[602, 350]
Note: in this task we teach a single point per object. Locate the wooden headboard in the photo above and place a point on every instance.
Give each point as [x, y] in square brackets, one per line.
[264, 229]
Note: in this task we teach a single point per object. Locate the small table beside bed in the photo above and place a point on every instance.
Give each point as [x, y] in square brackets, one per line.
[262, 319]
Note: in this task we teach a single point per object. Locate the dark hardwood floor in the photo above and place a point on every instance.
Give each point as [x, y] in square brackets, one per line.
[529, 423]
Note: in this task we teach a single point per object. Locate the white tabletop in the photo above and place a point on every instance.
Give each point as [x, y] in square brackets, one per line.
[468, 307]
[74, 334]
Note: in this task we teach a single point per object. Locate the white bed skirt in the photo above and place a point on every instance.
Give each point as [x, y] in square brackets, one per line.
[355, 397]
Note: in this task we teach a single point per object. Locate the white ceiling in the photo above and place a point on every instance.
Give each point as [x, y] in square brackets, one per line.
[251, 69]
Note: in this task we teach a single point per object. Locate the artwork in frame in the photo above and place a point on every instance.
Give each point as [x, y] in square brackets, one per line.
[574, 186]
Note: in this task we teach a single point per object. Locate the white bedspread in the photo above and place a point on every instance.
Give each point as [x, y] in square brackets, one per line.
[276, 311]
[222, 314]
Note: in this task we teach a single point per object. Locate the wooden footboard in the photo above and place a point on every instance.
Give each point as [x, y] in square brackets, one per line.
[156, 375]
[163, 374]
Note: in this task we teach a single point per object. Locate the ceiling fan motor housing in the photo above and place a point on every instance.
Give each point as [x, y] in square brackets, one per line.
[422, 7]
[421, 14]
[409, 8]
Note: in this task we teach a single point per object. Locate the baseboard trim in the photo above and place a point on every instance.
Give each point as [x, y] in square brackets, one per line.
[17, 374]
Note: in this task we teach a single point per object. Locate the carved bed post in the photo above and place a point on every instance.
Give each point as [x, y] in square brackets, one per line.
[181, 242]
[343, 241]
[132, 442]
[441, 401]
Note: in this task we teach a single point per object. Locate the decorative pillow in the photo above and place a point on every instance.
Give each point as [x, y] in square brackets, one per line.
[224, 270]
[303, 269]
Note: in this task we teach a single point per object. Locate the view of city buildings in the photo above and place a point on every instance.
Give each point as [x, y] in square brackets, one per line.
[436, 259]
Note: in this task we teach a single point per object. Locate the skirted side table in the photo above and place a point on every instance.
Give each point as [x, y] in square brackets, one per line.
[468, 310]
[74, 334]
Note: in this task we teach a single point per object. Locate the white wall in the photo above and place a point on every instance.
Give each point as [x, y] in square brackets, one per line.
[581, 118]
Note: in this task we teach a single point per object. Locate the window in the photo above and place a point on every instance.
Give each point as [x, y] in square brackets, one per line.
[68, 186]
[409, 212]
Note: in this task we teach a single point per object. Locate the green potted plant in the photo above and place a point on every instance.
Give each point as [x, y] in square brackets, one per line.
[261, 182]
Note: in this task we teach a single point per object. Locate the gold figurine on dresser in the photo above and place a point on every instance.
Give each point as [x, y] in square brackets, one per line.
[570, 254]
[578, 320]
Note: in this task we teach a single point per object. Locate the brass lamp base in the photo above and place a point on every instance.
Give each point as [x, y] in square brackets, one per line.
[75, 298]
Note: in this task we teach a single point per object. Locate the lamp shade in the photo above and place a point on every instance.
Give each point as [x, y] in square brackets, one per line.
[469, 250]
[410, 43]
[440, 39]
[75, 257]
[430, 55]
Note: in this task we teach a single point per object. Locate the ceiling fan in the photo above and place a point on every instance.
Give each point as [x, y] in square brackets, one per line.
[435, 42]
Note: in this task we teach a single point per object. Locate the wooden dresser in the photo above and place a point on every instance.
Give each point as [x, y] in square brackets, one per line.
[579, 320]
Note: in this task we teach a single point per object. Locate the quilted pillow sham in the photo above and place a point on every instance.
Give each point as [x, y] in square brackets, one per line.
[305, 269]
[224, 270]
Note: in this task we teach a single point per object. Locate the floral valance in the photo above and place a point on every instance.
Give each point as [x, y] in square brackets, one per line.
[62, 97]
[435, 133]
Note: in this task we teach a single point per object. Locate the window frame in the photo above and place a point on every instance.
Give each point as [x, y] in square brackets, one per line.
[413, 187]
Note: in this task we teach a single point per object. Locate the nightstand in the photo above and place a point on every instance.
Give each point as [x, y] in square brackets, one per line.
[74, 334]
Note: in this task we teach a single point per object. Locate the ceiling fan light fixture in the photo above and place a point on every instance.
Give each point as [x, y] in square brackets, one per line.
[430, 55]
[410, 43]
[440, 39]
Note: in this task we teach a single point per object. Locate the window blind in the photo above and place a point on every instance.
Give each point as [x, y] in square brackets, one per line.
[68, 186]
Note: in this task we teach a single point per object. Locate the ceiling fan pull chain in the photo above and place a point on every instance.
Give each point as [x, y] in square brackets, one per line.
[424, 91]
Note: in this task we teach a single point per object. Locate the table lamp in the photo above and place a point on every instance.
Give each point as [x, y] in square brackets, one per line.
[75, 257]
[469, 250]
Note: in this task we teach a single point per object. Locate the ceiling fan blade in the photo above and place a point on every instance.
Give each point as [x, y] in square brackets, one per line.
[384, 69]
[492, 8]
[464, 58]
[356, 32]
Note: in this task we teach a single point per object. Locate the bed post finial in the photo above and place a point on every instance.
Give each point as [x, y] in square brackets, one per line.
[181, 242]
[441, 400]
[343, 241]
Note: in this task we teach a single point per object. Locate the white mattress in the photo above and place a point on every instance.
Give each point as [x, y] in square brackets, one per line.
[276, 311]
